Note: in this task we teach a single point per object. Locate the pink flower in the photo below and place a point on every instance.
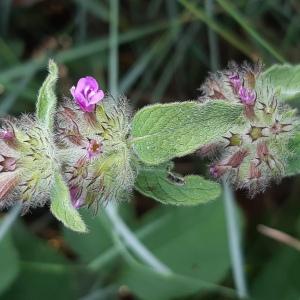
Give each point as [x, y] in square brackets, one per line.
[6, 135]
[235, 81]
[87, 93]
[94, 148]
[247, 96]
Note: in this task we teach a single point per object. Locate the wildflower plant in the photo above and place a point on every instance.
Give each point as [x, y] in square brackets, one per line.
[90, 149]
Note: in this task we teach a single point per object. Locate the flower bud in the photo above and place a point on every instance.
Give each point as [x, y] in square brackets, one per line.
[217, 171]
[257, 151]
[87, 93]
[27, 163]
[93, 147]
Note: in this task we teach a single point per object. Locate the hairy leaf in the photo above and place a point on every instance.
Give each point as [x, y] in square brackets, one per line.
[285, 79]
[62, 208]
[164, 186]
[46, 102]
[164, 131]
[293, 163]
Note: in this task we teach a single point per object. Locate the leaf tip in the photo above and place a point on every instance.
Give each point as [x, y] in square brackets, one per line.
[52, 67]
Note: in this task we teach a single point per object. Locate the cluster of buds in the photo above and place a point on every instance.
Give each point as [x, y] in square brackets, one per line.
[255, 152]
[88, 146]
[91, 137]
[27, 162]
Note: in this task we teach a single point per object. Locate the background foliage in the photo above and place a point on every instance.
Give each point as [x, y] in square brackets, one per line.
[166, 48]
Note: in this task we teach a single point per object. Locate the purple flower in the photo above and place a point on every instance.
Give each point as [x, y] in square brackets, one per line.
[247, 96]
[217, 171]
[87, 93]
[6, 135]
[76, 197]
[94, 148]
[235, 81]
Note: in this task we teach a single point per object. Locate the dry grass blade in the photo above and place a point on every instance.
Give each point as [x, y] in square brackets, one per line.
[279, 236]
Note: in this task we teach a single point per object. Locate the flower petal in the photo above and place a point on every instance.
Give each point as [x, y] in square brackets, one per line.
[80, 99]
[91, 82]
[97, 97]
[81, 84]
[89, 108]
[72, 91]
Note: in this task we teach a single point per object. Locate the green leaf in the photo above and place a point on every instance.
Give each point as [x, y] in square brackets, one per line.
[164, 131]
[149, 284]
[164, 186]
[271, 283]
[293, 163]
[92, 244]
[192, 242]
[285, 79]
[46, 102]
[61, 206]
[42, 268]
[9, 262]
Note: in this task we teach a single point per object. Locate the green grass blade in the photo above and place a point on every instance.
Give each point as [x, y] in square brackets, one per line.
[140, 66]
[230, 9]
[86, 50]
[223, 32]
[95, 8]
[8, 102]
[113, 46]
[175, 61]
[212, 38]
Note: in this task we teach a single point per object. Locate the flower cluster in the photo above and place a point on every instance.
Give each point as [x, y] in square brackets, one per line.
[256, 151]
[27, 162]
[88, 146]
[91, 135]
[89, 143]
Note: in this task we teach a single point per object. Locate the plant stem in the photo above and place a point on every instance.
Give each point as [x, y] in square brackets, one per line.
[133, 243]
[234, 243]
[111, 210]
[100, 261]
